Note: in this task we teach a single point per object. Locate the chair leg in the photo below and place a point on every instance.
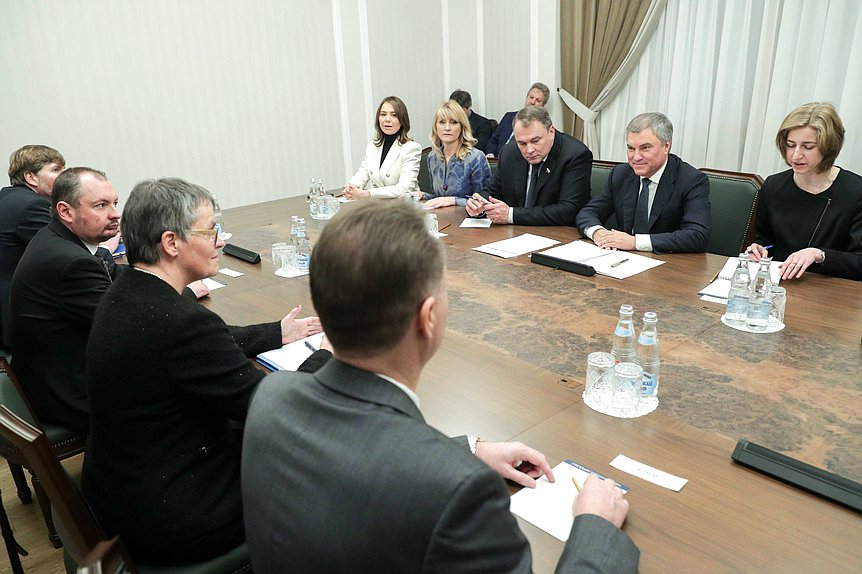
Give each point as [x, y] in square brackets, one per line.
[12, 547]
[24, 493]
[45, 506]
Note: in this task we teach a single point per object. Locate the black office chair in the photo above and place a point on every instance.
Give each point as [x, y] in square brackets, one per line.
[81, 532]
[733, 199]
[424, 175]
[599, 175]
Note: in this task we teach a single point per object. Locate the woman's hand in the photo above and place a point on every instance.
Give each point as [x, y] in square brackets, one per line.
[355, 192]
[756, 252]
[444, 201]
[796, 264]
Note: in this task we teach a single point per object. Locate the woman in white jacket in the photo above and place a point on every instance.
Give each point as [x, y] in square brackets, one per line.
[391, 164]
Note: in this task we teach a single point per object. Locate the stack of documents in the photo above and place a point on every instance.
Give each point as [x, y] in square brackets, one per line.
[617, 264]
[289, 357]
[718, 290]
[524, 243]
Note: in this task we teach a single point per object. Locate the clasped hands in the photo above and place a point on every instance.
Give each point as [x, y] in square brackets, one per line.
[351, 191]
[496, 210]
[614, 239]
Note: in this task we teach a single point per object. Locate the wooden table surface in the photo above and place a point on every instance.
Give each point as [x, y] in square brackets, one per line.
[512, 365]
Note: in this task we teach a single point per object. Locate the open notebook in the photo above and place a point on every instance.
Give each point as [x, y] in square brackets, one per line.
[289, 357]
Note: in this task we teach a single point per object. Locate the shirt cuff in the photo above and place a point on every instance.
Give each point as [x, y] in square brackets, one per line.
[589, 231]
[511, 211]
[643, 242]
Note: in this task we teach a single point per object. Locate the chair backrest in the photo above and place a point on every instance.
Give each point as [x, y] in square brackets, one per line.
[598, 178]
[424, 175]
[733, 197]
[12, 394]
[69, 504]
[492, 163]
[108, 557]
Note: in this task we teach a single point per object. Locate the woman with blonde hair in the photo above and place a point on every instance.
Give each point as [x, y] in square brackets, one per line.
[811, 214]
[458, 170]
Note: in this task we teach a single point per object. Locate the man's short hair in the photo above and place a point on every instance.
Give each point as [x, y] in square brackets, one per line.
[824, 119]
[67, 186]
[544, 89]
[370, 271]
[531, 114]
[156, 206]
[656, 121]
[30, 159]
[462, 98]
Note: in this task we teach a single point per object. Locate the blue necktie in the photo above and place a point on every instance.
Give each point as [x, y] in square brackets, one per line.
[530, 201]
[642, 210]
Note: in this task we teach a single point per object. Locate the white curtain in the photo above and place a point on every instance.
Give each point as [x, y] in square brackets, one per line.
[727, 72]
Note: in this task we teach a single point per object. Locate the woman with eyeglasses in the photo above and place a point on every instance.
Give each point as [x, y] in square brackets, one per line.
[165, 376]
[810, 216]
[391, 165]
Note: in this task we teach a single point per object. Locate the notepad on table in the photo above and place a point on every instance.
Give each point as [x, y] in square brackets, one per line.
[616, 264]
[514, 246]
[290, 356]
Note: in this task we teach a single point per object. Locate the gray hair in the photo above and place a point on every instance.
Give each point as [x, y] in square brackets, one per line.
[156, 206]
[656, 121]
[543, 88]
[531, 114]
[67, 186]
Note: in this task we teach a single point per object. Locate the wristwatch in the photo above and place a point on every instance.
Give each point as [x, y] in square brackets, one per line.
[472, 441]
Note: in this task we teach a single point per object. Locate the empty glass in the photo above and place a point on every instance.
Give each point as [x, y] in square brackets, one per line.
[431, 223]
[600, 374]
[779, 301]
[626, 392]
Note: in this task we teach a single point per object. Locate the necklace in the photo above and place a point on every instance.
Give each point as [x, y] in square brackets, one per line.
[148, 272]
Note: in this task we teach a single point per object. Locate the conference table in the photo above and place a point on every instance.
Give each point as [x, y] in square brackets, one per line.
[512, 367]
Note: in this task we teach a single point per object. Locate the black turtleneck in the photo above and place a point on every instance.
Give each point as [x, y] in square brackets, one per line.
[387, 143]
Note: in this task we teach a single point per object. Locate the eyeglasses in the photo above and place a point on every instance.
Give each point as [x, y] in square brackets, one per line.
[215, 232]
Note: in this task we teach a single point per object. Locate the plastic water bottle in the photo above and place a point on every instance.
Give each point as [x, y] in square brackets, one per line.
[623, 350]
[294, 226]
[760, 301]
[313, 194]
[303, 247]
[648, 356]
[740, 291]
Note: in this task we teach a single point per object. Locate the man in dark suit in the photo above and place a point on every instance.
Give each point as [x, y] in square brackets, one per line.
[59, 281]
[340, 472]
[543, 177]
[25, 208]
[479, 125]
[661, 203]
[537, 95]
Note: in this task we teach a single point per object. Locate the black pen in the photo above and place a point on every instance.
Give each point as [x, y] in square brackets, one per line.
[310, 346]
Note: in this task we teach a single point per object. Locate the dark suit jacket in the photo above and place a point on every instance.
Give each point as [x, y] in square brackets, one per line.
[501, 134]
[55, 291]
[164, 378]
[680, 217]
[481, 128]
[340, 473]
[23, 212]
[562, 189]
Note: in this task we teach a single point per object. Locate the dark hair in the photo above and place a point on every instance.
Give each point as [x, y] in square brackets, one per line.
[67, 186]
[370, 271]
[30, 159]
[462, 98]
[402, 115]
[156, 206]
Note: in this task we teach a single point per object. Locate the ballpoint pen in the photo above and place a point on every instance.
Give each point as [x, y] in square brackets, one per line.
[578, 486]
[620, 262]
[310, 346]
[444, 227]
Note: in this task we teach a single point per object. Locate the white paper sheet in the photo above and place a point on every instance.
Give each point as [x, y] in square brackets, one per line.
[470, 222]
[290, 356]
[603, 260]
[549, 505]
[212, 284]
[230, 272]
[514, 246]
[648, 473]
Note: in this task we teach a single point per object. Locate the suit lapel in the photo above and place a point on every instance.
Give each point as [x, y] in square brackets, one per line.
[366, 387]
[548, 166]
[664, 191]
[631, 189]
[388, 162]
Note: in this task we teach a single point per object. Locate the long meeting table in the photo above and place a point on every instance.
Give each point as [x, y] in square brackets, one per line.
[512, 368]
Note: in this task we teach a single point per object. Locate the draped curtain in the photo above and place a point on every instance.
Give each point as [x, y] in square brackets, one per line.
[599, 42]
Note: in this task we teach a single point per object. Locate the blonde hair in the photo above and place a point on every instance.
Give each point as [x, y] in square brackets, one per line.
[823, 118]
[452, 110]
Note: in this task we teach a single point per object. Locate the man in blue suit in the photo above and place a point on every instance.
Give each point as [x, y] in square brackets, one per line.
[537, 95]
[661, 203]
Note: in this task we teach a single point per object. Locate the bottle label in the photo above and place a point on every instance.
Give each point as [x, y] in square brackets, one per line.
[649, 385]
[623, 332]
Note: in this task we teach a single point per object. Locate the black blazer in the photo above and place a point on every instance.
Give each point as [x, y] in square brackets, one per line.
[23, 212]
[562, 189]
[481, 128]
[55, 291]
[340, 473]
[680, 217]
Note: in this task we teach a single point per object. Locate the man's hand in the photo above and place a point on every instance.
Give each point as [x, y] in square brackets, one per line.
[497, 211]
[293, 329]
[603, 498]
[476, 205]
[515, 461]
[613, 239]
